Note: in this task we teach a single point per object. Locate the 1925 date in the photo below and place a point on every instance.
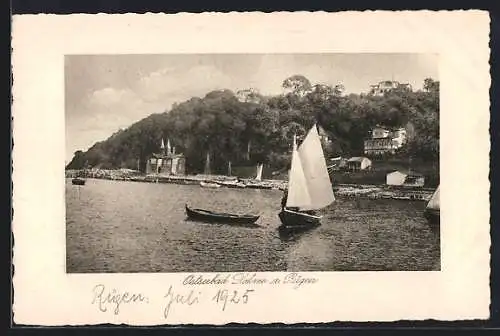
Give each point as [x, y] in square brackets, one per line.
[225, 297]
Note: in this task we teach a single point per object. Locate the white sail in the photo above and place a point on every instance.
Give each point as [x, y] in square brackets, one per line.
[207, 165]
[315, 171]
[434, 201]
[298, 193]
[168, 146]
[259, 172]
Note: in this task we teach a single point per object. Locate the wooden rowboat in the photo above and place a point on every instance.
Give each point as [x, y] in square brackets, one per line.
[296, 221]
[78, 181]
[220, 217]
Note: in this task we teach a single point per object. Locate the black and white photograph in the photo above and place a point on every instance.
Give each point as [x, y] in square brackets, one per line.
[252, 162]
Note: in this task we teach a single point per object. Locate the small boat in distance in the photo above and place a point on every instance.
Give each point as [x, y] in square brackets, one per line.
[432, 210]
[78, 181]
[233, 184]
[220, 217]
[209, 184]
[309, 185]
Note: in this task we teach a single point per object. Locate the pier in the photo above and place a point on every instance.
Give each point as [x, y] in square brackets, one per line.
[341, 190]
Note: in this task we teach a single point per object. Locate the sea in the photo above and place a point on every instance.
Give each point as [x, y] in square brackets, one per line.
[128, 227]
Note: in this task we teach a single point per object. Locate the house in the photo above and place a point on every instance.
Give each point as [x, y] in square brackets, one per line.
[167, 162]
[384, 140]
[380, 146]
[405, 178]
[380, 132]
[359, 163]
[248, 96]
[386, 86]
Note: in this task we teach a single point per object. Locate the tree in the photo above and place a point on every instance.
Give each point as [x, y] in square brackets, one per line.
[247, 128]
[297, 84]
[78, 160]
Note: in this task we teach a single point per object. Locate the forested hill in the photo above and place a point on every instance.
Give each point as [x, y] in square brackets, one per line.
[247, 127]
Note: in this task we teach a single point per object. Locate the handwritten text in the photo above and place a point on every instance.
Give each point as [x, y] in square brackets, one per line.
[224, 297]
[188, 299]
[104, 298]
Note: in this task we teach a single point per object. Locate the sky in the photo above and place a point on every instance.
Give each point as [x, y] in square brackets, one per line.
[105, 93]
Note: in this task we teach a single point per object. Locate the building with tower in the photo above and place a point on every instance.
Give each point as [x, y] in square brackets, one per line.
[167, 162]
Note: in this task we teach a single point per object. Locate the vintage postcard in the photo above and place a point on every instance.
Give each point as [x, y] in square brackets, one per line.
[250, 167]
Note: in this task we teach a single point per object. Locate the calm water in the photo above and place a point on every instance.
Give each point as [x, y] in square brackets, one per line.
[115, 226]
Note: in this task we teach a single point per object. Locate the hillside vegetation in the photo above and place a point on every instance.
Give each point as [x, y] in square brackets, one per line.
[247, 128]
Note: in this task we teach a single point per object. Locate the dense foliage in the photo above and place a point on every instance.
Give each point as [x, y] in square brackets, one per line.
[247, 127]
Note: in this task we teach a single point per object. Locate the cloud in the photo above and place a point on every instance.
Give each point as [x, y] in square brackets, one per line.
[168, 85]
[109, 95]
[100, 114]
[110, 107]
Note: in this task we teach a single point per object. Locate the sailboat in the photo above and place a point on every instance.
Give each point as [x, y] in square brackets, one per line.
[258, 176]
[432, 210]
[309, 185]
[207, 164]
[208, 183]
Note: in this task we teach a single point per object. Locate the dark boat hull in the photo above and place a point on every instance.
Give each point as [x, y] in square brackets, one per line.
[78, 181]
[432, 216]
[293, 221]
[220, 218]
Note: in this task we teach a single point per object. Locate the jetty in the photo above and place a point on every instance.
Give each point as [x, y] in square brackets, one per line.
[341, 190]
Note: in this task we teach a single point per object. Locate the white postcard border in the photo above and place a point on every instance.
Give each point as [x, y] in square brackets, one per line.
[45, 295]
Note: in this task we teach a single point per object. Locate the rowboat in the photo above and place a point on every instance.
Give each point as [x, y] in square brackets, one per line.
[78, 181]
[220, 217]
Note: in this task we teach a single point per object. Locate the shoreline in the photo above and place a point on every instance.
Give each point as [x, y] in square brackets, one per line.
[341, 190]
